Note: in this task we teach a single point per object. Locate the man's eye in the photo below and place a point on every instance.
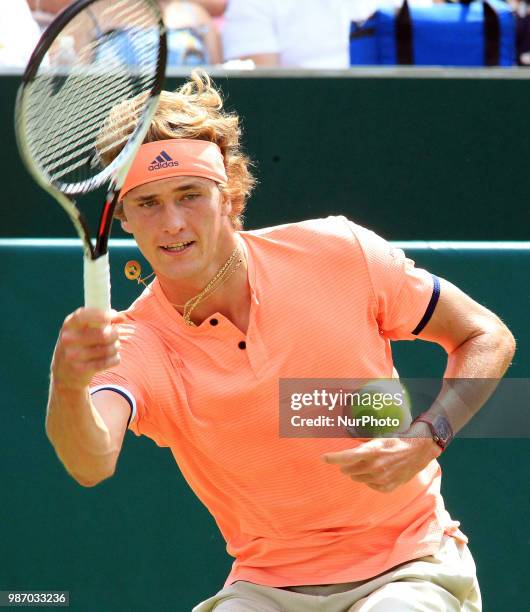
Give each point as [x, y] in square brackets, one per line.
[191, 196]
[148, 204]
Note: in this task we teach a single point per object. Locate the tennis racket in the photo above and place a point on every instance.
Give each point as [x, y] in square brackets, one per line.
[96, 55]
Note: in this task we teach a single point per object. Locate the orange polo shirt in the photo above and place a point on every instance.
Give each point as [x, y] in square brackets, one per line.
[327, 298]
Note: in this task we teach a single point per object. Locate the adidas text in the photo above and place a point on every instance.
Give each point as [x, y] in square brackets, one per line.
[160, 165]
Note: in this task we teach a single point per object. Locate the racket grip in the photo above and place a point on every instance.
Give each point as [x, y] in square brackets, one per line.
[96, 274]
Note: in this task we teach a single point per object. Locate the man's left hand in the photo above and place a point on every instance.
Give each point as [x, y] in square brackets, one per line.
[384, 464]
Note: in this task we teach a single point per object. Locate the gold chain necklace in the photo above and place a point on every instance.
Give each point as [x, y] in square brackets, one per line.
[224, 273]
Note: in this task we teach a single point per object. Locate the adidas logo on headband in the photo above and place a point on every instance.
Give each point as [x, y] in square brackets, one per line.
[163, 160]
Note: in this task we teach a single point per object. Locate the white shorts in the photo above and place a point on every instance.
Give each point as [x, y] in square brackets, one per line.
[445, 582]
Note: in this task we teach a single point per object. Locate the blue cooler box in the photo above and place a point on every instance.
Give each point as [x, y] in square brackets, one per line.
[458, 34]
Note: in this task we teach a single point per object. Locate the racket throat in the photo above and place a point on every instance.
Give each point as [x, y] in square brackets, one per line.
[105, 224]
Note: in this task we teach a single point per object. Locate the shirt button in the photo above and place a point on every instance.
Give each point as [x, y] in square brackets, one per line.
[213, 321]
[242, 345]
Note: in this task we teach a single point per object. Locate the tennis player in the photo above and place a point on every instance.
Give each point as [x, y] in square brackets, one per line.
[313, 523]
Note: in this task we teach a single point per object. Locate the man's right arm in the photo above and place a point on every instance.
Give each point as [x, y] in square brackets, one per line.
[86, 432]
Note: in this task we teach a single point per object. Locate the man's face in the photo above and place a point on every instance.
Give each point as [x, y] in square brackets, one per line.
[181, 226]
[49, 6]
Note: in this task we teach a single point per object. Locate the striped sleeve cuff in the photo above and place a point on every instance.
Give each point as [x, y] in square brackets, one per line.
[121, 391]
[430, 306]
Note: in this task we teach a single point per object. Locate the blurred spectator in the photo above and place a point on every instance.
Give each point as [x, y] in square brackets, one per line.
[192, 36]
[44, 11]
[522, 11]
[216, 8]
[193, 39]
[296, 33]
[19, 33]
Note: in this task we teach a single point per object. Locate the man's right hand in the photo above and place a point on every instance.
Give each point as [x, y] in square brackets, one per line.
[87, 432]
[88, 343]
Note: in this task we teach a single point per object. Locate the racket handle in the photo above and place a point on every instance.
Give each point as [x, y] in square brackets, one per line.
[96, 274]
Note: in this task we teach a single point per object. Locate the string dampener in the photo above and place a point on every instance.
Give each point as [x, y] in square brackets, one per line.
[133, 271]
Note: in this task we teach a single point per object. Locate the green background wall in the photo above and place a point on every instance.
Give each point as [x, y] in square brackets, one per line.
[415, 157]
[140, 541]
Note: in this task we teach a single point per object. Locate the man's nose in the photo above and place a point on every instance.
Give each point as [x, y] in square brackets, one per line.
[174, 217]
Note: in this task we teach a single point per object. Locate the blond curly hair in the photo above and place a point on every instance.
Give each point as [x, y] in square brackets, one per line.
[193, 111]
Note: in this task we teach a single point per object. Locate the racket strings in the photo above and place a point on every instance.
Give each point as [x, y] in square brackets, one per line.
[65, 136]
[63, 146]
[118, 127]
[66, 159]
[68, 105]
[104, 144]
[110, 90]
[54, 131]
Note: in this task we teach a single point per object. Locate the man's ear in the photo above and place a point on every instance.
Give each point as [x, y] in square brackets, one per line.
[226, 203]
[119, 214]
[125, 225]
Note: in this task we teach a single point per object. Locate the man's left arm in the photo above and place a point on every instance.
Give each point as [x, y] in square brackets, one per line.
[479, 348]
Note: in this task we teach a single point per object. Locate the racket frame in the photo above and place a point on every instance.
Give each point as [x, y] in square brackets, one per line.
[96, 266]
